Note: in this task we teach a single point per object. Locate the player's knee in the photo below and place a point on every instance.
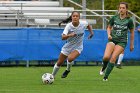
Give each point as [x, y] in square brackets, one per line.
[113, 59]
[70, 59]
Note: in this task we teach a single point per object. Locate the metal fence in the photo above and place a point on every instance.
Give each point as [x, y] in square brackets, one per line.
[49, 14]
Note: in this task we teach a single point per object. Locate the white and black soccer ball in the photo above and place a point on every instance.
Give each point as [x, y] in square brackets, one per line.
[47, 78]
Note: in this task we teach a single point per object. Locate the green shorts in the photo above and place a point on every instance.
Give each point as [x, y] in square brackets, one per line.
[122, 44]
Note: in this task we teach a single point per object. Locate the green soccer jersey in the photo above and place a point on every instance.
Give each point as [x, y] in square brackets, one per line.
[120, 28]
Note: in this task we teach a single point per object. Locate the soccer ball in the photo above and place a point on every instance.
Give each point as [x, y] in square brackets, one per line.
[47, 78]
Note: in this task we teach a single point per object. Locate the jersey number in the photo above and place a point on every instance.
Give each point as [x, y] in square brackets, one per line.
[118, 32]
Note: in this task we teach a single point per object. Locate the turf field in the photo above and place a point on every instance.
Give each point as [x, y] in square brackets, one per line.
[82, 79]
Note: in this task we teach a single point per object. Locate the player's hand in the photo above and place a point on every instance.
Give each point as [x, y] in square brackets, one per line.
[72, 34]
[109, 37]
[90, 36]
[131, 47]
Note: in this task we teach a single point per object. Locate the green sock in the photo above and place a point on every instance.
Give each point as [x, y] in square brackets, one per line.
[109, 69]
[104, 65]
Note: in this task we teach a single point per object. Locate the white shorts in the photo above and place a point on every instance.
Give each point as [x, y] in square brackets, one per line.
[67, 52]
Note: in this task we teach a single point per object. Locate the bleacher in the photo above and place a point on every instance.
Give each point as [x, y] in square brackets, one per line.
[14, 14]
[32, 13]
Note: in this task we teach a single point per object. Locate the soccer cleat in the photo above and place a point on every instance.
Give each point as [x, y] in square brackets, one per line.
[105, 79]
[119, 66]
[101, 72]
[64, 75]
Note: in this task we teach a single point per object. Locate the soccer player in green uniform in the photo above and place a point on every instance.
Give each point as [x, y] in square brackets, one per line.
[117, 38]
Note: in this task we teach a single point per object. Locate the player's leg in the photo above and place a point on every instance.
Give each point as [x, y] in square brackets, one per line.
[120, 60]
[72, 56]
[59, 62]
[108, 51]
[117, 50]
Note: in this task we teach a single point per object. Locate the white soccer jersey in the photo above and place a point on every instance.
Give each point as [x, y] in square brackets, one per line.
[76, 42]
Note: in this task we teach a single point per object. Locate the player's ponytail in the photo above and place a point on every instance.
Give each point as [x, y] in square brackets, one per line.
[66, 20]
[69, 19]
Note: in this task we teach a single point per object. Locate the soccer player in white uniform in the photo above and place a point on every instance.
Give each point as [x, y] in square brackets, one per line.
[74, 34]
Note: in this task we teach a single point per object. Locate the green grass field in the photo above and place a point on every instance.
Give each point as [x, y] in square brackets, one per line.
[82, 79]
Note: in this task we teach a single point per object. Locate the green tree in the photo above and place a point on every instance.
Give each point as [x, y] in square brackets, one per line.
[134, 5]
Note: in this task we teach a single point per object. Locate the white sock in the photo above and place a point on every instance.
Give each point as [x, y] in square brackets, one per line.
[69, 65]
[55, 69]
[120, 58]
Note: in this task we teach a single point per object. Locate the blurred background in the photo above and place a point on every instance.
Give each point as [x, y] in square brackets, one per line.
[30, 35]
